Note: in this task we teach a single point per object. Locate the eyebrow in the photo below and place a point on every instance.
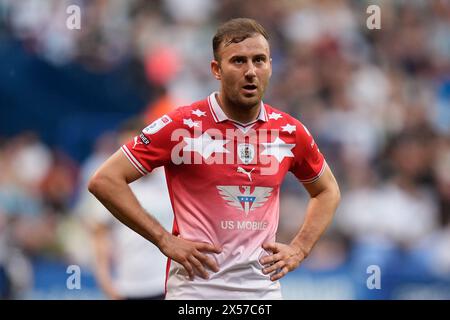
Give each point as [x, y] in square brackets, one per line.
[259, 55]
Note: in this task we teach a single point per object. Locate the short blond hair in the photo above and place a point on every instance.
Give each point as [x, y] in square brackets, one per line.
[235, 31]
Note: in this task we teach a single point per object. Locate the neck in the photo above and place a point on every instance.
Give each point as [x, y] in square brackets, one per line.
[238, 113]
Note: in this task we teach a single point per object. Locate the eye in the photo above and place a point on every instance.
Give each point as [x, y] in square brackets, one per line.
[260, 59]
[238, 60]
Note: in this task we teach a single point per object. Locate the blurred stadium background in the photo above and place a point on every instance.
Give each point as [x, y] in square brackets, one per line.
[377, 101]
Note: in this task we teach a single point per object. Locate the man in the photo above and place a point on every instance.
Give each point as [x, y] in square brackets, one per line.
[127, 266]
[225, 158]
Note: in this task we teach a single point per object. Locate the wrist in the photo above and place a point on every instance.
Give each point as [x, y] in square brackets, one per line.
[162, 241]
[300, 249]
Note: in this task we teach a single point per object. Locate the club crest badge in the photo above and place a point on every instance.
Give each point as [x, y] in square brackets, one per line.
[246, 152]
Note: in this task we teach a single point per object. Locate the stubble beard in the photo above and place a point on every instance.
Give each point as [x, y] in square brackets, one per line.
[243, 102]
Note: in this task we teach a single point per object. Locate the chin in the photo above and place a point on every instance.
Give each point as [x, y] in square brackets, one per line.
[250, 102]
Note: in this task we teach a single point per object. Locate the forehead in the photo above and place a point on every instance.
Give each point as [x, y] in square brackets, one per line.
[251, 46]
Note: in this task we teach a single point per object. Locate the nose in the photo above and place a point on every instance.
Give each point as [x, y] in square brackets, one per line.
[251, 71]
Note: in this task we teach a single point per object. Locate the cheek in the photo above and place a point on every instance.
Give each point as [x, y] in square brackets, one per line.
[264, 77]
[230, 79]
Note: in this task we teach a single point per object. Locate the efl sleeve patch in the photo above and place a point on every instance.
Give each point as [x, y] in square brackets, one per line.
[157, 125]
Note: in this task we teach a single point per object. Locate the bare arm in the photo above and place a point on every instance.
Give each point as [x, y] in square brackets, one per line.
[110, 186]
[325, 197]
[102, 251]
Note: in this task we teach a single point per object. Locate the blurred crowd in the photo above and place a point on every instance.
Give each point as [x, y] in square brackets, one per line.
[377, 102]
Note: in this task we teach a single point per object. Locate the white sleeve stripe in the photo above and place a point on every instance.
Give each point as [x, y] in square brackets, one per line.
[133, 160]
[311, 180]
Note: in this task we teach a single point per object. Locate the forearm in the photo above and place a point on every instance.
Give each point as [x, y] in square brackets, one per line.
[319, 214]
[119, 199]
[102, 262]
[103, 276]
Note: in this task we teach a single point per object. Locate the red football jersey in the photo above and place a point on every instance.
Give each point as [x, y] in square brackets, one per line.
[224, 181]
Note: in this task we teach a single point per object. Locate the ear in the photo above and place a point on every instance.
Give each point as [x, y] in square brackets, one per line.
[215, 69]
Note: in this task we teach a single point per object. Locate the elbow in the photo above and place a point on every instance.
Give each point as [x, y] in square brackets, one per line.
[96, 184]
[337, 194]
[105, 184]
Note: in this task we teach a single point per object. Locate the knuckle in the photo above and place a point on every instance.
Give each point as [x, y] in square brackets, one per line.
[203, 271]
[195, 261]
[204, 246]
[210, 262]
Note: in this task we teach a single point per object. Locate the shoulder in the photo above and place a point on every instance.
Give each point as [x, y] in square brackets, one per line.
[194, 110]
[283, 119]
[289, 126]
[179, 116]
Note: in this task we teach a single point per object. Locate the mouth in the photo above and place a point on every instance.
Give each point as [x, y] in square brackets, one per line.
[250, 88]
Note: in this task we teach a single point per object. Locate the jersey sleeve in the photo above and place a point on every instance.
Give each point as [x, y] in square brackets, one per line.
[152, 147]
[309, 163]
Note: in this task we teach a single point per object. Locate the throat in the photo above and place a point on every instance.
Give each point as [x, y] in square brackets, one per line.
[241, 114]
